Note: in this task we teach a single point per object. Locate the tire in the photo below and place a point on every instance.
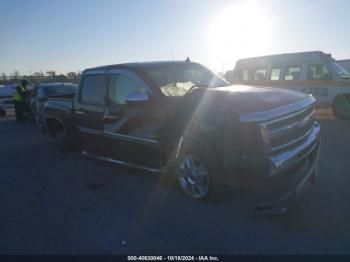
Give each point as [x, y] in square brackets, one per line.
[198, 173]
[57, 131]
[341, 108]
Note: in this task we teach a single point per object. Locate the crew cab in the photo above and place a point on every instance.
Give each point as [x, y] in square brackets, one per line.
[179, 118]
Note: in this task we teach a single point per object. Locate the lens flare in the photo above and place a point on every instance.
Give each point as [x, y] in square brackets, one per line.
[239, 30]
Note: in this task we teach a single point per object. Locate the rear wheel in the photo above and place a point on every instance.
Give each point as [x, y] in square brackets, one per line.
[57, 131]
[341, 108]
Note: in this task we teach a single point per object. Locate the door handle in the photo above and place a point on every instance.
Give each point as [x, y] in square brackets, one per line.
[109, 117]
[79, 112]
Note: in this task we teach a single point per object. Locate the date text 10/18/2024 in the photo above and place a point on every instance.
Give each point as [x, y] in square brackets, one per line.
[173, 258]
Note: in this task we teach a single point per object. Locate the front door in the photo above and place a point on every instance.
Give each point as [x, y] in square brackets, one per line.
[131, 127]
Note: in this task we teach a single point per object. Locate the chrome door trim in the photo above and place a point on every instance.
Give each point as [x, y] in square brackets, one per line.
[127, 138]
[110, 117]
[89, 130]
[119, 162]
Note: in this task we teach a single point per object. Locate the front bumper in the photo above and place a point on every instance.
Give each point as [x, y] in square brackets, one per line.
[307, 174]
[275, 180]
[284, 161]
[291, 173]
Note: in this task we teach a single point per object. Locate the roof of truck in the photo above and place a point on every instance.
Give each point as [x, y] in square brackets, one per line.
[285, 58]
[140, 65]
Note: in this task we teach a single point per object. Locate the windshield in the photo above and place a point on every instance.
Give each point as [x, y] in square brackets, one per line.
[176, 80]
[341, 71]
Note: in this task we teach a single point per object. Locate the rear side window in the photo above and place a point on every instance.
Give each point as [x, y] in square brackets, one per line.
[275, 73]
[292, 73]
[93, 90]
[318, 72]
[260, 74]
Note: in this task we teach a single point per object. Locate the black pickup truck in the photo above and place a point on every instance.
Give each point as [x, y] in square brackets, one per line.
[180, 118]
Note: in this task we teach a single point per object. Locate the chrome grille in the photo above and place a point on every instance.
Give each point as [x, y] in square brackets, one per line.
[288, 131]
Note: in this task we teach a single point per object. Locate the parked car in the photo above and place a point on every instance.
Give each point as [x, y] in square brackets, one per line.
[180, 118]
[313, 73]
[6, 91]
[43, 92]
[5, 106]
[7, 103]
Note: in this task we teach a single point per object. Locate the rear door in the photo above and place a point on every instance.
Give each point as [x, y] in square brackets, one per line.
[131, 128]
[89, 110]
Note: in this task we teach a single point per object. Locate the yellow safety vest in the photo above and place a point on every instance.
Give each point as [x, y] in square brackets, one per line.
[17, 97]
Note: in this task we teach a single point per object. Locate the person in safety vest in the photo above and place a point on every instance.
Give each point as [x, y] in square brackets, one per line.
[19, 99]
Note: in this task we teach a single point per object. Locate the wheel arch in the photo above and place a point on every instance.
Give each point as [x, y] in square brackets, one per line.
[54, 124]
[187, 142]
[339, 95]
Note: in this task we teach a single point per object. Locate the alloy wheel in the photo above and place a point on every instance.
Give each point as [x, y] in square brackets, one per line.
[193, 176]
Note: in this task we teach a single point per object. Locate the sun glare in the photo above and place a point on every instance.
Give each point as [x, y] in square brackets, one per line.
[239, 30]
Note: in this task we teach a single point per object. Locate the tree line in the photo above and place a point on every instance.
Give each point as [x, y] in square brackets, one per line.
[40, 77]
[71, 77]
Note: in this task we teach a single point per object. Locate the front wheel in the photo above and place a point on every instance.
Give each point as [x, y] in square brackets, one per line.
[198, 174]
[341, 108]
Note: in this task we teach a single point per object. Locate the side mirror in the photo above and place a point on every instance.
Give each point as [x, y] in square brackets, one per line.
[137, 98]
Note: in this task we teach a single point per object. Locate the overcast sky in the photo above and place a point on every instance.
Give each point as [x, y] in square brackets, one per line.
[70, 35]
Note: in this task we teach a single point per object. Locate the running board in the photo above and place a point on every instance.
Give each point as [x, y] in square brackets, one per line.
[123, 163]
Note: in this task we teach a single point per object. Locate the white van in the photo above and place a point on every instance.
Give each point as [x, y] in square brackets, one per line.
[345, 64]
[315, 73]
